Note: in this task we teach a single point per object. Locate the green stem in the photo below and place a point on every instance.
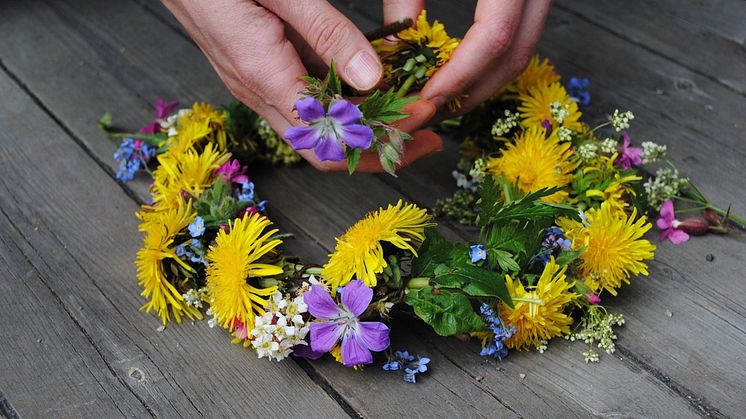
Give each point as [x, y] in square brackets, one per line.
[404, 89]
[151, 139]
[605, 124]
[707, 205]
[537, 301]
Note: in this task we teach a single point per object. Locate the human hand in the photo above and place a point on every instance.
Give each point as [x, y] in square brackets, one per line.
[246, 43]
[496, 48]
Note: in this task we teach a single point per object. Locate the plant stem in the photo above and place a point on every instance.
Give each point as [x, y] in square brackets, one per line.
[390, 29]
[404, 89]
[151, 139]
[605, 124]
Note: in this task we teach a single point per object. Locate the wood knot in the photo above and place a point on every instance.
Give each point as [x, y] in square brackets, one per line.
[137, 374]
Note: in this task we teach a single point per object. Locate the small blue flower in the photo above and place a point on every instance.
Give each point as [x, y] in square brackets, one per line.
[199, 259]
[181, 251]
[262, 205]
[495, 346]
[577, 88]
[477, 253]
[247, 191]
[197, 227]
[407, 363]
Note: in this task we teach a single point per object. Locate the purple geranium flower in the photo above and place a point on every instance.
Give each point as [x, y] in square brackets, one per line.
[326, 132]
[629, 156]
[341, 322]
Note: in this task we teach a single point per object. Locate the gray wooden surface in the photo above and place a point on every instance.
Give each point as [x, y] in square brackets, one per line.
[72, 342]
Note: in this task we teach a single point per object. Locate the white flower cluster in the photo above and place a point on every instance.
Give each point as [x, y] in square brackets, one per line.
[169, 124]
[652, 152]
[478, 170]
[665, 185]
[609, 146]
[564, 134]
[195, 297]
[588, 151]
[542, 346]
[620, 120]
[281, 328]
[559, 112]
[503, 125]
[597, 328]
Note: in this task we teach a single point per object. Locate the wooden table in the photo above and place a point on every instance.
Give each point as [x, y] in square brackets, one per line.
[72, 342]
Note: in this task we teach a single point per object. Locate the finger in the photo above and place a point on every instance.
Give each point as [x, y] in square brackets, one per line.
[508, 67]
[334, 38]
[495, 23]
[396, 10]
[419, 111]
[314, 64]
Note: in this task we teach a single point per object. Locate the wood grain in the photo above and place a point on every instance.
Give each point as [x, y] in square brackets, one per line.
[670, 371]
[82, 246]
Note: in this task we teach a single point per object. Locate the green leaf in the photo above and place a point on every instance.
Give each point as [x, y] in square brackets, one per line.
[353, 158]
[332, 82]
[385, 107]
[504, 259]
[475, 281]
[568, 256]
[435, 250]
[104, 122]
[448, 312]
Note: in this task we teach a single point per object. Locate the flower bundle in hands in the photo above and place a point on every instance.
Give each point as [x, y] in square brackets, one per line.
[339, 127]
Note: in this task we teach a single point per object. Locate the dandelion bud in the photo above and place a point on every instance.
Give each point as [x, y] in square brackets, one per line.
[694, 226]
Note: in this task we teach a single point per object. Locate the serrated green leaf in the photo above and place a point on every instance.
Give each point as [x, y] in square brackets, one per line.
[353, 158]
[332, 82]
[568, 256]
[504, 259]
[435, 250]
[447, 312]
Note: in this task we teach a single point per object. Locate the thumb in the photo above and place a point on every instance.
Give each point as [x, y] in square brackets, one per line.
[334, 38]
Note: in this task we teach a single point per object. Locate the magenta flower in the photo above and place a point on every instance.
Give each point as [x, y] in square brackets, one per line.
[593, 298]
[162, 109]
[341, 322]
[326, 132]
[629, 156]
[232, 171]
[668, 224]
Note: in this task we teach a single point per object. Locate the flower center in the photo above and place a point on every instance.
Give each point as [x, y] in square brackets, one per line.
[329, 126]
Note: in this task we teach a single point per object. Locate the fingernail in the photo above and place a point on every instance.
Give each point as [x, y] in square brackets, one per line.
[363, 71]
[438, 101]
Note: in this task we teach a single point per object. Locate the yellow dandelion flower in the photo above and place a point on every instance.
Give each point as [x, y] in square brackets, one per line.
[615, 247]
[615, 192]
[160, 229]
[537, 105]
[424, 39]
[536, 162]
[234, 264]
[538, 313]
[192, 173]
[537, 73]
[359, 253]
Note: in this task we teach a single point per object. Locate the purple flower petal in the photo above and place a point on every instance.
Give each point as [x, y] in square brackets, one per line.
[358, 136]
[309, 109]
[329, 149]
[305, 351]
[663, 223]
[375, 335]
[320, 303]
[357, 297]
[302, 137]
[324, 335]
[354, 351]
[345, 112]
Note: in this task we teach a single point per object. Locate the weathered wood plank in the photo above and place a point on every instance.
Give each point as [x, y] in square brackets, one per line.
[705, 36]
[653, 389]
[44, 354]
[82, 246]
[660, 341]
